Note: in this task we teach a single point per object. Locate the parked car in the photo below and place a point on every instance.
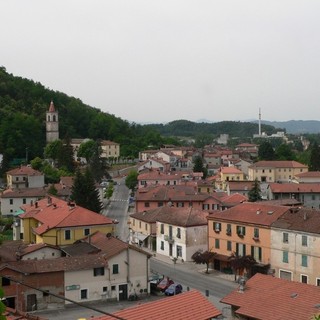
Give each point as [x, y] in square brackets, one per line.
[164, 284]
[173, 289]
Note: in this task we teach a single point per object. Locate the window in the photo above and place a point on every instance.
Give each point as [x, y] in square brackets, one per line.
[304, 260]
[115, 269]
[67, 235]
[217, 226]
[134, 222]
[5, 282]
[162, 245]
[229, 245]
[256, 233]
[313, 197]
[24, 201]
[179, 233]
[147, 204]
[104, 289]
[217, 243]
[86, 231]
[240, 249]
[146, 226]
[318, 282]
[304, 241]
[160, 204]
[11, 201]
[285, 237]
[205, 206]
[162, 228]
[83, 294]
[304, 278]
[98, 271]
[140, 224]
[180, 204]
[241, 231]
[228, 230]
[256, 253]
[113, 288]
[179, 251]
[285, 257]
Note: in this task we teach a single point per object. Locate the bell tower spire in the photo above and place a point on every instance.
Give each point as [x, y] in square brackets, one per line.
[52, 123]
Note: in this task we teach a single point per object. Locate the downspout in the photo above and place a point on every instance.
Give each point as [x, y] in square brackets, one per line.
[128, 265]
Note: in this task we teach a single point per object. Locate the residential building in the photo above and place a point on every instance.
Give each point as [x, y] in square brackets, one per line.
[110, 149]
[266, 297]
[275, 171]
[24, 177]
[181, 232]
[125, 270]
[154, 164]
[187, 305]
[13, 199]
[228, 174]
[58, 222]
[307, 177]
[306, 193]
[242, 187]
[244, 230]
[295, 246]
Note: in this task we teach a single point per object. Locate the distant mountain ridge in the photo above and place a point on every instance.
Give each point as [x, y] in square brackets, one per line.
[296, 126]
[291, 126]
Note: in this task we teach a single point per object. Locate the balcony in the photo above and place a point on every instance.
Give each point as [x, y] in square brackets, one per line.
[168, 238]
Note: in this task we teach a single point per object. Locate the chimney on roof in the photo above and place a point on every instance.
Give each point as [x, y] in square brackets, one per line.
[242, 284]
[49, 200]
[36, 204]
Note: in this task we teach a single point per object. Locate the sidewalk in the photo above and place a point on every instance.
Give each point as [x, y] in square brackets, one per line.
[201, 268]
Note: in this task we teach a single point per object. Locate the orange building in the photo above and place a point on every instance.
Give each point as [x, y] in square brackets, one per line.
[243, 230]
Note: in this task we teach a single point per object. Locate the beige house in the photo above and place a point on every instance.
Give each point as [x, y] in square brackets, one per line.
[275, 171]
[228, 174]
[24, 177]
[295, 246]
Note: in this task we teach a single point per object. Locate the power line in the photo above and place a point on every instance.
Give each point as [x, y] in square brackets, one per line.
[64, 298]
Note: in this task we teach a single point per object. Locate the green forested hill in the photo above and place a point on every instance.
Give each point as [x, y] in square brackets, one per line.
[192, 129]
[23, 104]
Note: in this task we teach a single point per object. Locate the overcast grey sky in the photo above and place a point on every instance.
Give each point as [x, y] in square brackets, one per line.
[164, 60]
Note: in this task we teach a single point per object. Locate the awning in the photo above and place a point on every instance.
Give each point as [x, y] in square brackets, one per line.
[141, 237]
[222, 257]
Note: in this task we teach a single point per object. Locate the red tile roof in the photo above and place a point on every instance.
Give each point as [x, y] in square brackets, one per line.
[251, 212]
[279, 164]
[269, 298]
[233, 199]
[300, 219]
[59, 214]
[190, 305]
[295, 187]
[309, 174]
[24, 193]
[24, 171]
[240, 185]
[230, 170]
[51, 107]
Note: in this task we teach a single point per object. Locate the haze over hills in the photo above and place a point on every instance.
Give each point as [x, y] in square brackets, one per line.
[291, 126]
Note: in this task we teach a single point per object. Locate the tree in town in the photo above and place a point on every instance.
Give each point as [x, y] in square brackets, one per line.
[53, 150]
[2, 306]
[203, 257]
[66, 158]
[52, 190]
[241, 264]
[314, 157]
[199, 167]
[284, 152]
[132, 179]
[266, 151]
[36, 163]
[255, 193]
[86, 149]
[84, 191]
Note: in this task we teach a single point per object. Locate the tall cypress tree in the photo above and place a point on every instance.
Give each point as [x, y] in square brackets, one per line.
[315, 157]
[255, 193]
[92, 199]
[79, 191]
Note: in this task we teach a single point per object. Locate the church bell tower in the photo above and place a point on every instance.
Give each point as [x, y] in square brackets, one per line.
[52, 124]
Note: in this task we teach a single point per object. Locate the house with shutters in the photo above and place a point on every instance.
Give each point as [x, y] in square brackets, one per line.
[57, 222]
[244, 229]
[295, 246]
[181, 232]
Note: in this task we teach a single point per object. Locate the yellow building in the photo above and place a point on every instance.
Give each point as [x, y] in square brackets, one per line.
[229, 174]
[58, 222]
[274, 171]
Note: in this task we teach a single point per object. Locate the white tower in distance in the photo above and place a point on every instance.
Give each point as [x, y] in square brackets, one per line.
[52, 124]
[259, 122]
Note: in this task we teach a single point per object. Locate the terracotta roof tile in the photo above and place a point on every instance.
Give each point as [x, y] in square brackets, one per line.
[251, 212]
[59, 214]
[269, 298]
[24, 170]
[309, 174]
[189, 305]
[24, 193]
[279, 164]
[295, 187]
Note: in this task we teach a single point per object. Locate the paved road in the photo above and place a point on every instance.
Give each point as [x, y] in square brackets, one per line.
[118, 209]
